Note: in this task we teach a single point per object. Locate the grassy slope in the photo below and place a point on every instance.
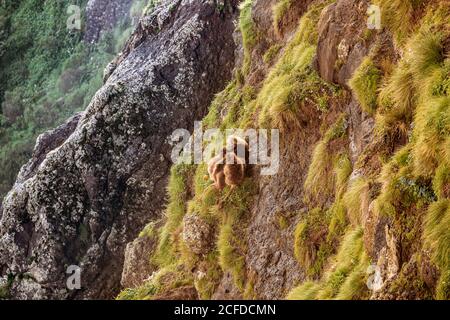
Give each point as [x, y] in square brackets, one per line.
[415, 181]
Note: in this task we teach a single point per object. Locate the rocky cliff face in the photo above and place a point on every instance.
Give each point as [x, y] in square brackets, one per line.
[359, 208]
[102, 16]
[93, 183]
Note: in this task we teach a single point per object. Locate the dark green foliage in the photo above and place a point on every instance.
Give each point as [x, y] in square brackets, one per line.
[47, 74]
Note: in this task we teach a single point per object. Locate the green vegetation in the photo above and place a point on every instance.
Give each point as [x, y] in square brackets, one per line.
[48, 73]
[279, 11]
[178, 189]
[408, 185]
[271, 53]
[397, 15]
[248, 31]
[353, 198]
[292, 83]
[437, 237]
[165, 279]
[320, 178]
[364, 83]
[345, 277]
[311, 247]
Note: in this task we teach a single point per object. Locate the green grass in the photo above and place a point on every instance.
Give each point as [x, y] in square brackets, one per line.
[167, 278]
[292, 83]
[342, 170]
[306, 291]
[397, 16]
[279, 10]
[364, 83]
[321, 178]
[248, 32]
[231, 245]
[176, 209]
[48, 74]
[271, 53]
[345, 277]
[436, 234]
[353, 199]
[441, 181]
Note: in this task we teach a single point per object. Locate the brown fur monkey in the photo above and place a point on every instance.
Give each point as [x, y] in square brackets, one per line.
[235, 172]
[227, 168]
[215, 170]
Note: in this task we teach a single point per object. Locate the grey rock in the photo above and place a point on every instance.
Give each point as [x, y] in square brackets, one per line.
[96, 188]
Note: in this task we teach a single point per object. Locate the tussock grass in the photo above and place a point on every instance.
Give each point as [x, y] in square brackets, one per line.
[248, 31]
[320, 178]
[342, 170]
[231, 246]
[292, 82]
[306, 291]
[397, 100]
[441, 181]
[271, 53]
[432, 127]
[345, 278]
[364, 83]
[310, 246]
[353, 199]
[212, 273]
[397, 16]
[167, 278]
[177, 190]
[279, 10]
[437, 237]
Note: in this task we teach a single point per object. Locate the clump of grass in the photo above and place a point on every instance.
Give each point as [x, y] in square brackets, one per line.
[342, 171]
[306, 291]
[338, 221]
[426, 51]
[345, 278]
[210, 274]
[279, 10]
[178, 190]
[170, 277]
[397, 100]
[229, 256]
[320, 178]
[353, 199]
[249, 33]
[310, 246]
[230, 245]
[432, 127]
[271, 53]
[397, 16]
[443, 287]
[149, 231]
[345, 275]
[441, 181]
[364, 83]
[437, 237]
[292, 82]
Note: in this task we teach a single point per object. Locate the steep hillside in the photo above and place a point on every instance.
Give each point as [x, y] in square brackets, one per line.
[364, 174]
[359, 207]
[96, 180]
